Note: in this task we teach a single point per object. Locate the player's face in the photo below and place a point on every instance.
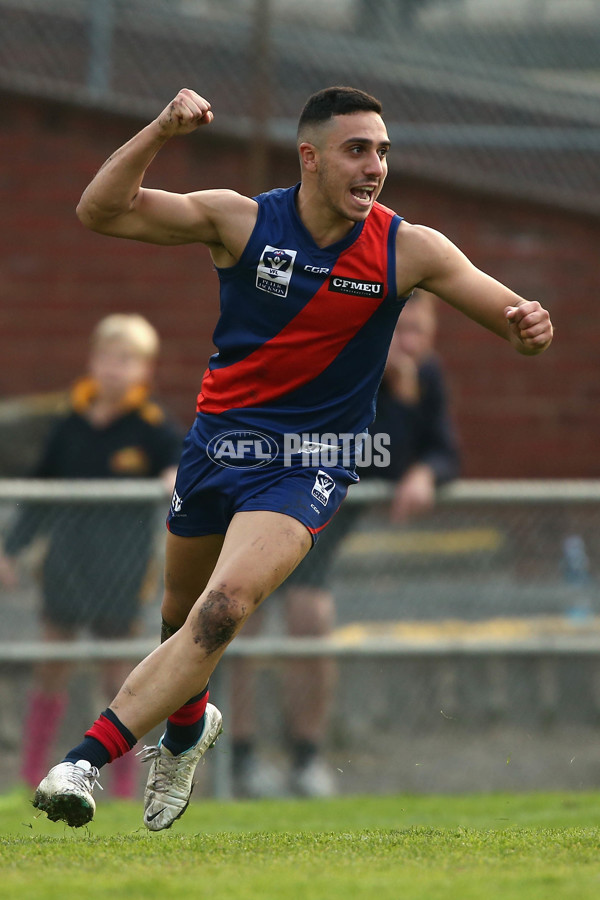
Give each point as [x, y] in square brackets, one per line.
[352, 164]
[117, 367]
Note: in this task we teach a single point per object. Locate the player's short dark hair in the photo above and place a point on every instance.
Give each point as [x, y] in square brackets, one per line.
[336, 101]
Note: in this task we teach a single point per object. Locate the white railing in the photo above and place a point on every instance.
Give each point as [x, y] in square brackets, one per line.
[470, 490]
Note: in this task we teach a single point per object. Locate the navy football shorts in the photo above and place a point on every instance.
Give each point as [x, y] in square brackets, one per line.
[209, 493]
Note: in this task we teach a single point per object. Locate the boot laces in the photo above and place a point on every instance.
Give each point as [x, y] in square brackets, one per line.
[84, 779]
[169, 771]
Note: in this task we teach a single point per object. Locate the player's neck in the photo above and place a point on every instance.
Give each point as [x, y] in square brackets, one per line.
[324, 225]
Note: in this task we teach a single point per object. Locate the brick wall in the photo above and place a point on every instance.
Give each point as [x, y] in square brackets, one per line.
[516, 416]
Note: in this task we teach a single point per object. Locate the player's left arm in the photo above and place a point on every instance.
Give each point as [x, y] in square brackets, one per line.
[444, 270]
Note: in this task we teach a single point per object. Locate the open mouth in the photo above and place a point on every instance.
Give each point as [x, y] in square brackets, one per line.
[363, 194]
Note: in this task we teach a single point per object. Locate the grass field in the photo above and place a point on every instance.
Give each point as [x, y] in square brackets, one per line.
[526, 846]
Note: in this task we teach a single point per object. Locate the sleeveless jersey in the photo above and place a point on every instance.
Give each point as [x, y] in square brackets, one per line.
[304, 331]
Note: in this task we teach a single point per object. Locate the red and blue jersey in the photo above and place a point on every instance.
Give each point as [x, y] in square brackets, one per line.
[304, 331]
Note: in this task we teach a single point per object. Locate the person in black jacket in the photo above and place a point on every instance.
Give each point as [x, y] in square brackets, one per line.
[412, 411]
[98, 555]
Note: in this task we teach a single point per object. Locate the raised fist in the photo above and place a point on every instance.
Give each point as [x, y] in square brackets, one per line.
[185, 113]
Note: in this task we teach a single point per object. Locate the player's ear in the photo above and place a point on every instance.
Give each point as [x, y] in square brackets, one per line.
[308, 156]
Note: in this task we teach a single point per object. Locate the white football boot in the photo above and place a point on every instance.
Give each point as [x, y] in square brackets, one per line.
[171, 778]
[65, 794]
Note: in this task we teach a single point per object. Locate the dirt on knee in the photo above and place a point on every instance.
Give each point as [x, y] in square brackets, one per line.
[216, 621]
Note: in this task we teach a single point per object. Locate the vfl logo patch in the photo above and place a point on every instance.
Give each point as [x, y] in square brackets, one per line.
[356, 288]
[274, 270]
[323, 486]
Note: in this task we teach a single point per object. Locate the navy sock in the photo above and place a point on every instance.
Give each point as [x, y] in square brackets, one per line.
[242, 753]
[90, 749]
[303, 752]
[185, 726]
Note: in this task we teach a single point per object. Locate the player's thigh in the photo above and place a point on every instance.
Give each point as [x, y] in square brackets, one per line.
[189, 564]
[260, 550]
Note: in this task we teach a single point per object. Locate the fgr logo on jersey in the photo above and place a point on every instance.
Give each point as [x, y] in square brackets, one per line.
[242, 449]
[323, 486]
[274, 270]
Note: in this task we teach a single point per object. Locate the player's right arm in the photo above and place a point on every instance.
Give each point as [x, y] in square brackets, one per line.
[115, 203]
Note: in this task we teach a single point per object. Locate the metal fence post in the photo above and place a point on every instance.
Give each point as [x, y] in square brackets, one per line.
[101, 27]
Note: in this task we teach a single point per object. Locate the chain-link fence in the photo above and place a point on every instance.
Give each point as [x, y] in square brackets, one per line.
[466, 645]
[87, 552]
[500, 94]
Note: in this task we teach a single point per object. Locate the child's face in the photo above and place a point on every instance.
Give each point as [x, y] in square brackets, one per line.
[117, 366]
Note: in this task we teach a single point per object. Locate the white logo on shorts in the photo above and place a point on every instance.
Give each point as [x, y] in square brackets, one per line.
[176, 502]
[242, 449]
[323, 486]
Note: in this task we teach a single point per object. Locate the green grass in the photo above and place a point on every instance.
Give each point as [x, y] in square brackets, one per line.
[534, 846]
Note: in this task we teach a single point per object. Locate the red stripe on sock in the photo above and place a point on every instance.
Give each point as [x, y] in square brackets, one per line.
[190, 713]
[110, 737]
